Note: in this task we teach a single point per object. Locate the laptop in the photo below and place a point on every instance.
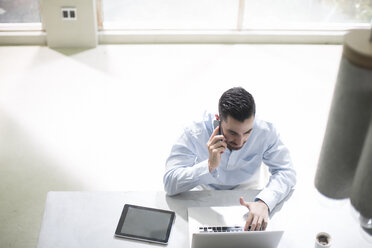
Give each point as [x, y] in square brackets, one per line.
[221, 227]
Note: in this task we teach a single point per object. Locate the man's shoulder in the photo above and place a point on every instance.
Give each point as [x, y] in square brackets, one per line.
[264, 127]
[201, 127]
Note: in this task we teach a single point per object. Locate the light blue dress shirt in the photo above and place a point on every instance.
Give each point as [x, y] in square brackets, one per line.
[187, 165]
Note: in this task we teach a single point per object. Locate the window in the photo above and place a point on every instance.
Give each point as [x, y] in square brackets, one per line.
[235, 14]
[306, 14]
[19, 11]
[170, 14]
[205, 21]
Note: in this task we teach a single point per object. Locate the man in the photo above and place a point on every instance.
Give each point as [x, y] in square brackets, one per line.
[204, 157]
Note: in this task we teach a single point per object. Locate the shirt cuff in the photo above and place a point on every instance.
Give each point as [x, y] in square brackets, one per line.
[269, 197]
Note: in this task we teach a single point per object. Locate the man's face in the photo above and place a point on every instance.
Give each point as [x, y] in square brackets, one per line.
[236, 132]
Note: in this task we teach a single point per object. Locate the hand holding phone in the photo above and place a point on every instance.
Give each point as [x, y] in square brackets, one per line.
[216, 146]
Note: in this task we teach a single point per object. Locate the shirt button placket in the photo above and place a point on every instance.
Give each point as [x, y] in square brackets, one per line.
[232, 160]
[225, 159]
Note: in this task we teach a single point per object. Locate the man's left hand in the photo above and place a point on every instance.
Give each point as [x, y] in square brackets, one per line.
[258, 215]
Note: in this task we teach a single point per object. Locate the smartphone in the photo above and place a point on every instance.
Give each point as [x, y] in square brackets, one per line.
[217, 123]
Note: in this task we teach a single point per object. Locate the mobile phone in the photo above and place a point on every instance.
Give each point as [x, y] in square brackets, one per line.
[217, 123]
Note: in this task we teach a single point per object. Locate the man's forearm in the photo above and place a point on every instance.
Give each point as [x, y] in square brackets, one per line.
[281, 183]
[183, 178]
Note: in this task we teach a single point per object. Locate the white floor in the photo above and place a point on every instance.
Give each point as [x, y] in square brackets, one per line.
[105, 119]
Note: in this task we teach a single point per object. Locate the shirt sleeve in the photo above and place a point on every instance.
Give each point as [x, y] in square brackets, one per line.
[283, 175]
[183, 172]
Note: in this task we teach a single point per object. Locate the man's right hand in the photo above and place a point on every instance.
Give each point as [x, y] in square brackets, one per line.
[216, 146]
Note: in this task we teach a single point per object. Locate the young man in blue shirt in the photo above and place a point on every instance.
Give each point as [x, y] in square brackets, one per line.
[203, 157]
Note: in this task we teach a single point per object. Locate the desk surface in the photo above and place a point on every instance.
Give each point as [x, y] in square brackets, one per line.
[89, 219]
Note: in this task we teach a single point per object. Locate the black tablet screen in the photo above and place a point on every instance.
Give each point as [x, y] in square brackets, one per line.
[145, 223]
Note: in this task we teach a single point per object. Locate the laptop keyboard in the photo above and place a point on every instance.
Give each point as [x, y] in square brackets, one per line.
[221, 229]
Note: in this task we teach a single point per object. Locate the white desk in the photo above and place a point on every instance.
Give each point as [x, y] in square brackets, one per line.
[89, 219]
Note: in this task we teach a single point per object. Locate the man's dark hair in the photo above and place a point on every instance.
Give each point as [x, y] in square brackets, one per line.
[237, 103]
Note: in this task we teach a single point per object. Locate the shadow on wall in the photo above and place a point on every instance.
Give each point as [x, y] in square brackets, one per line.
[26, 175]
[71, 51]
[95, 58]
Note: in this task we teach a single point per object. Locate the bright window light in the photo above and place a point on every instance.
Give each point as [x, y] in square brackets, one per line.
[19, 11]
[306, 14]
[170, 14]
[235, 14]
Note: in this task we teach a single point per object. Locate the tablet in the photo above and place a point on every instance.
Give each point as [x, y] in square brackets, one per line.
[143, 223]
